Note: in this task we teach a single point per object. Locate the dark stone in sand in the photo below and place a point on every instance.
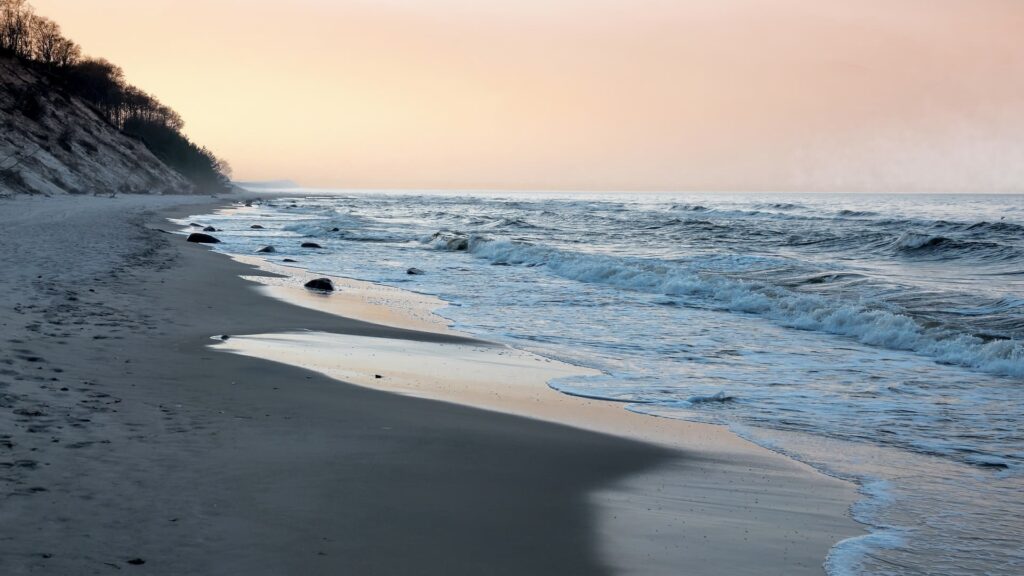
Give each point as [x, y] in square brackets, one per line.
[209, 229]
[136, 561]
[377, 376]
[289, 260]
[321, 284]
[225, 337]
[311, 245]
[267, 250]
[256, 227]
[202, 238]
[415, 272]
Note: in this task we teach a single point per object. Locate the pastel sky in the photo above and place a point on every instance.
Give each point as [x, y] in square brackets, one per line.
[876, 95]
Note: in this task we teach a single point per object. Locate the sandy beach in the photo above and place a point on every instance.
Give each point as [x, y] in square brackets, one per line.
[131, 440]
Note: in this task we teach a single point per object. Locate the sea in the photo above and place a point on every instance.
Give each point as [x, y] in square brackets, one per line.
[878, 338]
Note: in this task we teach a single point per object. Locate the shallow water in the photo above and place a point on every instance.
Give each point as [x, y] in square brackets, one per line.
[880, 338]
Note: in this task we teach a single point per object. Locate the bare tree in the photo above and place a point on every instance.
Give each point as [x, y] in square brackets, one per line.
[66, 53]
[45, 36]
[15, 27]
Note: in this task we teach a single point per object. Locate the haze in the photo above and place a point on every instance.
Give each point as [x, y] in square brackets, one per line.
[873, 95]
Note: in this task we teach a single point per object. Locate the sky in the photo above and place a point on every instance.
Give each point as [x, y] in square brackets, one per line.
[751, 95]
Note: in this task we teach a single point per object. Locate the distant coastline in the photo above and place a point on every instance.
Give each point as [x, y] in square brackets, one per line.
[267, 185]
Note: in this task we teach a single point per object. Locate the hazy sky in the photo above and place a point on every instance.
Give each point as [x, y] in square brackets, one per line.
[585, 94]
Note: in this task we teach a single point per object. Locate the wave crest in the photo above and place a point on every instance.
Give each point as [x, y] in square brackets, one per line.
[710, 285]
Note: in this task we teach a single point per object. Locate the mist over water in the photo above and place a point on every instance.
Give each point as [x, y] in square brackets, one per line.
[879, 338]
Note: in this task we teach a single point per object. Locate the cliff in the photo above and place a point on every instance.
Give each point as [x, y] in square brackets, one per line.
[54, 143]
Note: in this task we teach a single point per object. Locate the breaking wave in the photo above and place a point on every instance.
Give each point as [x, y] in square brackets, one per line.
[871, 325]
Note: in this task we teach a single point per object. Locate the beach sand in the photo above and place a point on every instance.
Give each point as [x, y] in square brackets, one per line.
[128, 440]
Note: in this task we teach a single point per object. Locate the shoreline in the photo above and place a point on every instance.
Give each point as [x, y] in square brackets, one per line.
[366, 301]
[206, 464]
[498, 378]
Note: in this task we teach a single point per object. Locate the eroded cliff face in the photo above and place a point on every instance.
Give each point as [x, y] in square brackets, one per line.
[53, 143]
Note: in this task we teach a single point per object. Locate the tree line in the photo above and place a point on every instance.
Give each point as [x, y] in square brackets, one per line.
[38, 41]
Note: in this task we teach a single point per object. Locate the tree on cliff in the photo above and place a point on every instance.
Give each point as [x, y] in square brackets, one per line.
[15, 25]
[50, 47]
[38, 41]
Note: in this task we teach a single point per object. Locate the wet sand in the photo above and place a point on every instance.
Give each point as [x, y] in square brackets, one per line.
[127, 442]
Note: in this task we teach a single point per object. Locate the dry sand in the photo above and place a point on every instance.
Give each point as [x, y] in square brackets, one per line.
[124, 436]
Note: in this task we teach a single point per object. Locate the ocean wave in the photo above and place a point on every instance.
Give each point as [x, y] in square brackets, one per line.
[665, 224]
[996, 227]
[676, 225]
[701, 282]
[515, 223]
[916, 243]
[451, 241]
[372, 237]
[307, 228]
[778, 206]
[319, 226]
[849, 557]
[825, 278]
[690, 208]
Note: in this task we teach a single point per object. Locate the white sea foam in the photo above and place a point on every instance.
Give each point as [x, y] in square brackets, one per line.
[847, 558]
[872, 326]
